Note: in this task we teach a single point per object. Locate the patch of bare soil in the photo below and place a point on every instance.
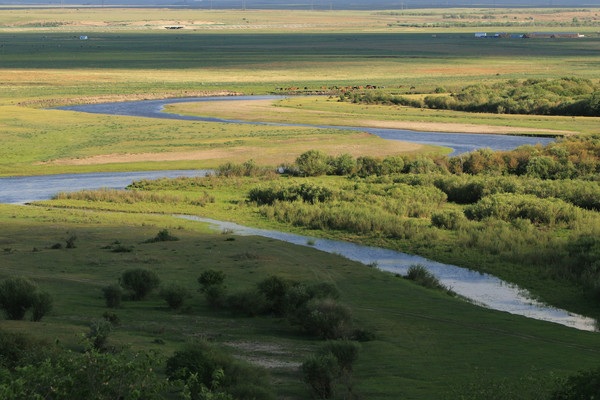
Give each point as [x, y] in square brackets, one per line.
[267, 355]
[448, 127]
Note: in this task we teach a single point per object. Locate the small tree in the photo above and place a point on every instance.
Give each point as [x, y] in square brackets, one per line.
[140, 282]
[17, 296]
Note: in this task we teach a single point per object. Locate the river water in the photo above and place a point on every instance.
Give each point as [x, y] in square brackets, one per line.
[459, 142]
[482, 289]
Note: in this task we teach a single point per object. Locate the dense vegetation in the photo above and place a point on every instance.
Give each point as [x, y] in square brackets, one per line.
[565, 96]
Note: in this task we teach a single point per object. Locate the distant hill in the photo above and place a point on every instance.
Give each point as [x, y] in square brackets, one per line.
[316, 4]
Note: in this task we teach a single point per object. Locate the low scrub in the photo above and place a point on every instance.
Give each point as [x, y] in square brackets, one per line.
[509, 207]
[19, 295]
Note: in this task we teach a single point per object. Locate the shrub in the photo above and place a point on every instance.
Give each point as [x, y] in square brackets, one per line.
[326, 318]
[112, 295]
[140, 282]
[313, 163]
[162, 236]
[452, 220]
[174, 294]
[211, 277]
[249, 303]
[274, 289]
[98, 334]
[19, 349]
[17, 296]
[319, 373]
[41, 305]
[345, 352]
[583, 386]
[508, 207]
[205, 360]
[112, 318]
[215, 296]
[70, 242]
[344, 164]
[89, 375]
[420, 275]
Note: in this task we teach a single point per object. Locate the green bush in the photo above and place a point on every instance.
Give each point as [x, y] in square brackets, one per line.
[174, 294]
[98, 334]
[582, 386]
[508, 207]
[90, 375]
[451, 220]
[211, 277]
[344, 351]
[140, 282]
[19, 349]
[274, 288]
[162, 236]
[215, 296]
[113, 295]
[18, 295]
[250, 303]
[320, 373]
[41, 305]
[313, 163]
[204, 360]
[420, 275]
[326, 318]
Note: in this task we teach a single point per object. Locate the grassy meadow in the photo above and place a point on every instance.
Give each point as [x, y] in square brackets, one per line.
[427, 344]
[465, 348]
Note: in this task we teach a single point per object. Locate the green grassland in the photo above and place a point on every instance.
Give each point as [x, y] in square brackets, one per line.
[51, 67]
[427, 343]
[33, 138]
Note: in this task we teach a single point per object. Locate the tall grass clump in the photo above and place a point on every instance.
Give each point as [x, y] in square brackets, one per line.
[120, 196]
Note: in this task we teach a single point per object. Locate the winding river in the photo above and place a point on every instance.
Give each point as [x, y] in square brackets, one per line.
[459, 142]
[482, 289]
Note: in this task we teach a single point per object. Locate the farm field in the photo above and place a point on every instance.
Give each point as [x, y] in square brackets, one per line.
[426, 344]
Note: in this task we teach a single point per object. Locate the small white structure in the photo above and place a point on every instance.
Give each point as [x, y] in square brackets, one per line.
[83, 37]
[480, 34]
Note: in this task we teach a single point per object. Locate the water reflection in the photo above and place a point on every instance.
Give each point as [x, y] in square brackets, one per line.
[483, 289]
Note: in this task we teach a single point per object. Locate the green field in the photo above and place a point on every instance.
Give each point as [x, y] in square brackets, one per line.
[427, 343]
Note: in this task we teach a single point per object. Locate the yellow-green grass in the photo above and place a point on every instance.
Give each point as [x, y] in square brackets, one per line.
[229, 203]
[329, 110]
[428, 344]
[114, 18]
[53, 141]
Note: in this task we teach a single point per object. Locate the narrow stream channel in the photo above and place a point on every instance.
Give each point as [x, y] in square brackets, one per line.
[459, 142]
[482, 289]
